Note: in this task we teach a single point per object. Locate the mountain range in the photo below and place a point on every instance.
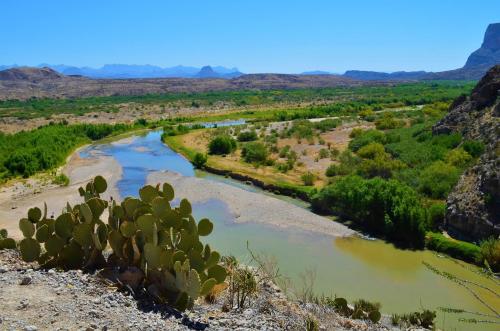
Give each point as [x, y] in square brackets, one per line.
[475, 67]
[130, 71]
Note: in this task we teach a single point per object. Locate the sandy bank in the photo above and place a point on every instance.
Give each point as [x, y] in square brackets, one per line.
[15, 200]
[249, 206]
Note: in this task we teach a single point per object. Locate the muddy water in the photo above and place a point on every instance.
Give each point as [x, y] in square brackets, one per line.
[349, 267]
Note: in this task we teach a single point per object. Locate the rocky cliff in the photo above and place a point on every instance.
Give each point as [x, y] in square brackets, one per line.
[473, 207]
[489, 52]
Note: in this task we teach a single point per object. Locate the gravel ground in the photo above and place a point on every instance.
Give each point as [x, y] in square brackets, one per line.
[34, 299]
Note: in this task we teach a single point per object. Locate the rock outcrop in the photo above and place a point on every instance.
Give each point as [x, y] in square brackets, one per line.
[489, 52]
[473, 207]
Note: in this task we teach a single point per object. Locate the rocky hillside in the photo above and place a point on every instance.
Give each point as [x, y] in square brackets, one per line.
[473, 207]
[36, 299]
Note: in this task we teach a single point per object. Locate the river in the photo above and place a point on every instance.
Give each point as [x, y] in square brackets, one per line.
[348, 267]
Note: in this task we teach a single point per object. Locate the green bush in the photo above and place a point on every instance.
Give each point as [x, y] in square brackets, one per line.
[455, 248]
[372, 150]
[387, 121]
[385, 207]
[435, 214]
[308, 178]
[365, 137]
[381, 166]
[199, 160]
[490, 252]
[438, 179]
[323, 153]
[62, 180]
[221, 145]
[247, 136]
[254, 152]
[474, 147]
[458, 157]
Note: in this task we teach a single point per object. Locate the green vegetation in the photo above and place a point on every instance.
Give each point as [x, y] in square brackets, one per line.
[424, 319]
[490, 252]
[456, 248]
[362, 309]
[199, 160]
[45, 148]
[146, 233]
[5, 241]
[222, 145]
[247, 136]
[254, 152]
[61, 180]
[340, 100]
[308, 178]
[474, 147]
[384, 207]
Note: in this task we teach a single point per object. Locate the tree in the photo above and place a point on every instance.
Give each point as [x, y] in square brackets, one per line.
[222, 144]
[199, 160]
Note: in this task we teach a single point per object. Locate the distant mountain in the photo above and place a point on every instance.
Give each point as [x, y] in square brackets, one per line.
[374, 75]
[217, 72]
[476, 66]
[316, 72]
[127, 71]
[28, 74]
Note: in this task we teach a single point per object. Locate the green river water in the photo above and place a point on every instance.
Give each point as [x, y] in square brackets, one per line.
[349, 267]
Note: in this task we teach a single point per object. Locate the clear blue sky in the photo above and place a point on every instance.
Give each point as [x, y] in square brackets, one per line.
[253, 35]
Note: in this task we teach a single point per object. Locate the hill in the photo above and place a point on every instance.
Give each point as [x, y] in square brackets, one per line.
[25, 82]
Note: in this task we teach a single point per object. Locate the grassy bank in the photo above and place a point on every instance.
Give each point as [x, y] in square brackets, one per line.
[220, 165]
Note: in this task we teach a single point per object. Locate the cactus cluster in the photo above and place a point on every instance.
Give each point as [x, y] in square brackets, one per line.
[5, 241]
[362, 309]
[75, 239]
[147, 233]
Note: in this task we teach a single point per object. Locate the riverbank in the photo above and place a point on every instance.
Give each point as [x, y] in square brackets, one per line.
[251, 207]
[19, 196]
[270, 182]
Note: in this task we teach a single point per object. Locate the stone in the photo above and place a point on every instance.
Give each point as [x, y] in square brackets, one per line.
[26, 280]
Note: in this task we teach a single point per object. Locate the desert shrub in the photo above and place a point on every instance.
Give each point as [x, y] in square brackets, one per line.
[438, 179]
[284, 151]
[301, 129]
[474, 147]
[387, 121]
[454, 248]
[372, 150]
[247, 136]
[367, 115]
[490, 252]
[386, 207]
[61, 179]
[311, 324]
[365, 137]
[380, 166]
[254, 152]
[199, 160]
[323, 153]
[326, 125]
[308, 178]
[221, 145]
[458, 157]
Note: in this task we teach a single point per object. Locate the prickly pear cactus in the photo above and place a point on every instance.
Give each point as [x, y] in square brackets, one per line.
[145, 232]
[5, 241]
[165, 242]
[75, 239]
